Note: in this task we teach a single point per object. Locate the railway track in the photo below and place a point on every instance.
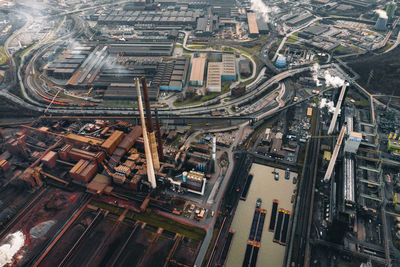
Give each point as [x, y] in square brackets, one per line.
[22, 213]
[99, 215]
[123, 248]
[62, 231]
[301, 254]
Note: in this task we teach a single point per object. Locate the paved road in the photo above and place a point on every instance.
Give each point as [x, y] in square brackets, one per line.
[220, 194]
[290, 33]
[397, 42]
[210, 50]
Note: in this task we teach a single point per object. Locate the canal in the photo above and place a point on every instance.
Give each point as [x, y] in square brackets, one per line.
[264, 186]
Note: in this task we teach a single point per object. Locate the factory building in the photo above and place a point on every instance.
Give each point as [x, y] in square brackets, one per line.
[67, 63]
[252, 22]
[359, 3]
[171, 75]
[162, 19]
[109, 69]
[141, 47]
[353, 142]
[197, 72]
[299, 20]
[349, 180]
[219, 72]
[214, 72]
[90, 67]
[196, 182]
[394, 142]
[262, 25]
[127, 92]
[391, 10]
[205, 26]
[381, 22]
[228, 67]
[244, 68]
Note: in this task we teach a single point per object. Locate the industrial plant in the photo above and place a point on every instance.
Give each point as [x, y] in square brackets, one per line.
[199, 133]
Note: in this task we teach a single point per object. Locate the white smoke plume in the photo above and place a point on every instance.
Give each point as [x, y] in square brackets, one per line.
[12, 244]
[315, 72]
[381, 13]
[330, 80]
[263, 10]
[333, 81]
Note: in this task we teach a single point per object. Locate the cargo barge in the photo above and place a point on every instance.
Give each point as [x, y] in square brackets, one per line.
[226, 248]
[277, 235]
[246, 187]
[273, 215]
[285, 227]
[254, 242]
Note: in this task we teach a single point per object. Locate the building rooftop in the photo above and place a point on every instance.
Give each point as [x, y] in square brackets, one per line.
[214, 74]
[198, 65]
[229, 64]
[251, 20]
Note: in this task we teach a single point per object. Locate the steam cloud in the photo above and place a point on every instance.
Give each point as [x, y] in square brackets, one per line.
[381, 13]
[13, 243]
[333, 81]
[263, 10]
[330, 80]
[315, 71]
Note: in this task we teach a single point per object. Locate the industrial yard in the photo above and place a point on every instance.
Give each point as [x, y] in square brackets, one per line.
[199, 133]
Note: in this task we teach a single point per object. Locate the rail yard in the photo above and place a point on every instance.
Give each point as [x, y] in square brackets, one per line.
[198, 133]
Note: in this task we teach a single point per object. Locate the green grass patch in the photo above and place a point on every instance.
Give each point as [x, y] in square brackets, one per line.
[292, 39]
[195, 100]
[156, 220]
[197, 47]
[228, 49]
[178, 46]
[20, 53]
[340, 50]
[3, 56]
[248, 82]
[176, 140]
[245, 53]
[361, 103]
[226, 87]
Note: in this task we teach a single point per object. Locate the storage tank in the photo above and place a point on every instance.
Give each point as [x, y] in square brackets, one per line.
[281, 61]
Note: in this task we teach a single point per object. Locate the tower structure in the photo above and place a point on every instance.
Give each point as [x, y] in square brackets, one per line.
[381, 22]
[149, 161]
[152, 136]
[159, 139]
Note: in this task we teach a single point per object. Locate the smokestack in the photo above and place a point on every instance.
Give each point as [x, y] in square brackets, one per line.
[149, 160]
[147, 105]
[152, 136]
[214, 152]
[214, 148]
[159, 140]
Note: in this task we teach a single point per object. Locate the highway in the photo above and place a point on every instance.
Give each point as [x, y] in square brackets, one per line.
[397, 42]
[13, 67]
[205, 108]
